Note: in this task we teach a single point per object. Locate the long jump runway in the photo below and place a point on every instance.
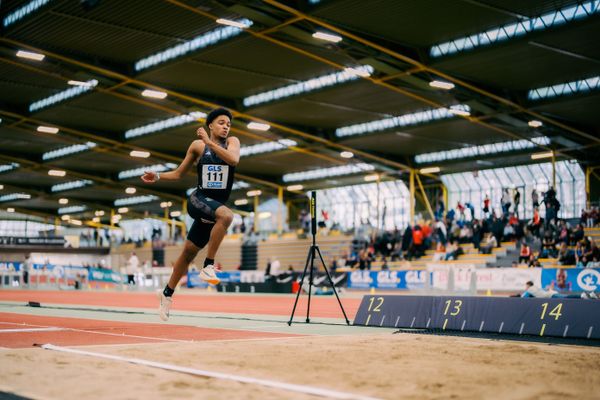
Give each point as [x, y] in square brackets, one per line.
[112, 345]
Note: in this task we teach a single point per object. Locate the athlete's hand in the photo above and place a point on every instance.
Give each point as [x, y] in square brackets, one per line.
[149, 177]
[202, 135]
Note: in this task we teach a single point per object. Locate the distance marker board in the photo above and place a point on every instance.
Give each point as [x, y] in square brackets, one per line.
[572, 318]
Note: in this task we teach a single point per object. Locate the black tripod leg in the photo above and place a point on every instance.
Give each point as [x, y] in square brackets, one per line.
[333, 286]
[300, 289]
[310, 281]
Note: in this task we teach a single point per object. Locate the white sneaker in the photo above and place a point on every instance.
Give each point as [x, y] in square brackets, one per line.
[164, 305]
[209, 275]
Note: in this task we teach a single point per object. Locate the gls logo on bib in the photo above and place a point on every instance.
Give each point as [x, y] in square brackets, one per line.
[214, 176]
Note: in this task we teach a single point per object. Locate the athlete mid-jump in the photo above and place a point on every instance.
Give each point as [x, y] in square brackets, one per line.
[217, 155]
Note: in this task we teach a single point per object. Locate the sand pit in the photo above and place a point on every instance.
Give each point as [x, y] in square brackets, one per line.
[407, 366]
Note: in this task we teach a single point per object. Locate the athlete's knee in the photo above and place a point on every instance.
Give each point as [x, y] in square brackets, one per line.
[225, 215]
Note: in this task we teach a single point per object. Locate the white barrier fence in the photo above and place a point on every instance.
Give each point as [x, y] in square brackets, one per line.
[80, 278]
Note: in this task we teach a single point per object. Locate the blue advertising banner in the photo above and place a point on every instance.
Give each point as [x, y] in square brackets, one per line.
[10, 266]
[104, 275]
[571, 279]
[387, 279]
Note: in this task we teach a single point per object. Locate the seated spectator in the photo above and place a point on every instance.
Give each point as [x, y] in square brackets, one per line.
[488, 244]
[578, 234]
[565, 255]
[384, 265]
[465, 235]
[525, 253]
[440, 252]
[594, 263]
[453, 251]
[549, 246]
[509, 232]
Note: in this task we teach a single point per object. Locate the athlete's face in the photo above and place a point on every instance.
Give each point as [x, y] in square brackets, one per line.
[219, 128]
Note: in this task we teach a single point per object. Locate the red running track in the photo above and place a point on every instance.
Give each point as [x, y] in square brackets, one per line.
[22, 330]
[326, 307]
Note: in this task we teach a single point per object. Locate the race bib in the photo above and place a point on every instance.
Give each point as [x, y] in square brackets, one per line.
[214, 176]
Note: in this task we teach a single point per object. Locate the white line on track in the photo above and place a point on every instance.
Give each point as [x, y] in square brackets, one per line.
[218, 375]
[19, 330]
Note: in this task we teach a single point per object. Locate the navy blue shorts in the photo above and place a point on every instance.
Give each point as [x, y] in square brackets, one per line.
[203, 210]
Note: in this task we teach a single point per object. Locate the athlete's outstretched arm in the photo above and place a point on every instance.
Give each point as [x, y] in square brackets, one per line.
[231, 155]
[193, 152]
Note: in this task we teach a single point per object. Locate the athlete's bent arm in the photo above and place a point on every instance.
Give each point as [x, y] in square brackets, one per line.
[231, 155]
[193, 152]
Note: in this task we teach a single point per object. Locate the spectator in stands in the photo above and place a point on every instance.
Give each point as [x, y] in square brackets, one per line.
[453, 251]
[440, 208]
[595, 263]
[132, 268]
[549, 246]
[471, 209]
[441, 232]
[525, 253]
[477, 233]
[486, 206]
[592, 251]
[535, 200]
[505, 201]
[552, 205]
[536, 222]
[461, 211]
[384, 264]
[578, 234]
[440, 252]
[509, 232]
[488, 244]
[497, 228]
[465, 234]
[565, 255]
[517, 201]
[364, 260]
[563, 232]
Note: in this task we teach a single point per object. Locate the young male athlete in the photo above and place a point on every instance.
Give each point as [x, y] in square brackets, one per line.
[216, 155]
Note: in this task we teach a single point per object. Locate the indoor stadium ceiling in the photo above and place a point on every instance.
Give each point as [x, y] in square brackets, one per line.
[503, 63]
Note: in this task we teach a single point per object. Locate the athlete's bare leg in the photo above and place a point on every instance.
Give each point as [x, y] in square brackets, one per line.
[224, 219]
[190, 251]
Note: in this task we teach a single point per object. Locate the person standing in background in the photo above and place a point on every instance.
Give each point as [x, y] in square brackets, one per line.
[132, 268]
[27, 268]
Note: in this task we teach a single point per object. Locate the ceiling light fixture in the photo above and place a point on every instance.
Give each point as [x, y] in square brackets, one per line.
[537, 156]
[235, 24]
[257, 126]
[430, 170]
[30, 55]
[327, 36]
[442, 85]
[154, 94]
[57, 172]
[139, 154]
[534, 123]
[47, 129]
